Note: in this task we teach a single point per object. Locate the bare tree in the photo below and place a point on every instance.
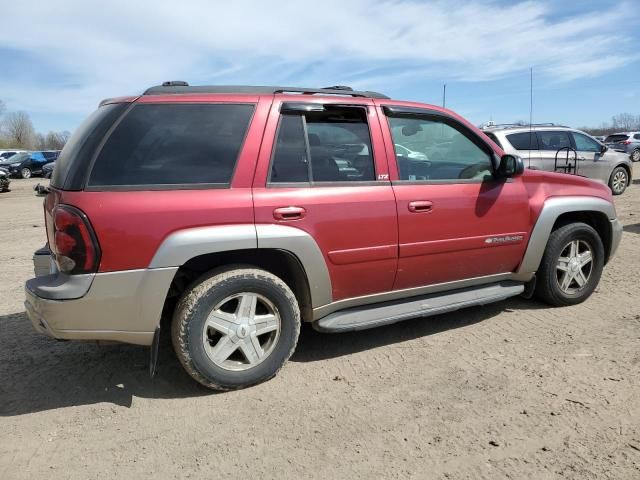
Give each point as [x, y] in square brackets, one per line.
[18, 130]
[2, 107]
[56, 140]
[625, 121]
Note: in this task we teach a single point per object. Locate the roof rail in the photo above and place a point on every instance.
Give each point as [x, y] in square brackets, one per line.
[523, 125]
[177, 86]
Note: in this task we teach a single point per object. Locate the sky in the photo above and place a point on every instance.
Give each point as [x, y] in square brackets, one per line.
[60, 58]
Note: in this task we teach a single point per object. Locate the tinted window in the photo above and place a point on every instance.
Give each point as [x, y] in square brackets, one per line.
[553, 140]
[616, 138]
[337, 148]
[173, 144]
[585, 144]
[73, 161]
[493, 138]
[637, 136]
[523, 141]
[447, 153]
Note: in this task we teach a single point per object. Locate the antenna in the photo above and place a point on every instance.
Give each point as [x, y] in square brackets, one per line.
[444, 94]
[530, 111]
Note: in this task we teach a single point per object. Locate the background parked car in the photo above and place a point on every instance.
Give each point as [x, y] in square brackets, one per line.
[5, 154]
[575, 151]
[47, 169]
[4, 180]
[628, 142]
[26, 164]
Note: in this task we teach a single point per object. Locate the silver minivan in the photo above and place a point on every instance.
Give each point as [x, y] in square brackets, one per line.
[566, 150]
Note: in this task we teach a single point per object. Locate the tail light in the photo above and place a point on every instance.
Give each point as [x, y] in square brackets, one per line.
[75, 247]
[627, 142]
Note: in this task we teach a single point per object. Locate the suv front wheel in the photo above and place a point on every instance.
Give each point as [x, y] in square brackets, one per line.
[571, 266]
[235, 328]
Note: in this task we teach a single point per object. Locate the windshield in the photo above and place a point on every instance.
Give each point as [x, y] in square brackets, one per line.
[18, 157]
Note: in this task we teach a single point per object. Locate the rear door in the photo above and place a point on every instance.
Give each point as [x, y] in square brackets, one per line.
[322, 169]
[554, 144]
[456, 220]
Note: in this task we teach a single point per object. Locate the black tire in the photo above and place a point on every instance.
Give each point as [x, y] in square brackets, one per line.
[616, 177]
[198, 301]
[635, 155]
[547, 281]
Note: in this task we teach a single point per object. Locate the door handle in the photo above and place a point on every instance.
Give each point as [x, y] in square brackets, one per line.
[418, 206]
[289, 213]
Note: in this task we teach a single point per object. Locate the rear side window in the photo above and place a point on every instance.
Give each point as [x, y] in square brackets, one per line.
[74, 159]
[173, 144]
[553, 140]
[523, 141]
[330, 146]
[637, 136]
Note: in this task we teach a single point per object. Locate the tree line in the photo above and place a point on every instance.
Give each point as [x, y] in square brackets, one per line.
[17, 131]
[622, 122]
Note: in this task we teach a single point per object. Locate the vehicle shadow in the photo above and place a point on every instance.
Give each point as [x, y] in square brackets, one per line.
[314, 346]
[633, 228]
[38, 373]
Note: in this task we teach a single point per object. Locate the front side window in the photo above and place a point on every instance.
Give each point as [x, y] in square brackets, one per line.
[523, 141]
[326, 146]
[439, 151]
[554, 140]
[585, 144]
[173, 144]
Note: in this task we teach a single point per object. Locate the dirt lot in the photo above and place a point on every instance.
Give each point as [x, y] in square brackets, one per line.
[512, 390]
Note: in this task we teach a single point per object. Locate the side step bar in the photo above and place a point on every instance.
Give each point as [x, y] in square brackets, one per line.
[360, 318]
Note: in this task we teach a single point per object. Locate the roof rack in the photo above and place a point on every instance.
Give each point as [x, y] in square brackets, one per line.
[523, 125]
[178, 86]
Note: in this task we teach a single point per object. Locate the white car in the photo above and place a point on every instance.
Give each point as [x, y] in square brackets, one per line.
[405, 152]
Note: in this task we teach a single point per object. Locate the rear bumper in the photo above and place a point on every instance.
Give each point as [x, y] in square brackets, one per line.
[117, 306]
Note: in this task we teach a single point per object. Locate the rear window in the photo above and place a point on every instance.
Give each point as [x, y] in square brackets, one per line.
[523, 141]
[616, 138]
[493, 138]
[173, 144]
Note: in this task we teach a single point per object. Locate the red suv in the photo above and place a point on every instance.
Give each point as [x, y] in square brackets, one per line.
[236, 213]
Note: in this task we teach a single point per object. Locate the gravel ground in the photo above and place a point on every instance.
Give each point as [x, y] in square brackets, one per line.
[512, 390]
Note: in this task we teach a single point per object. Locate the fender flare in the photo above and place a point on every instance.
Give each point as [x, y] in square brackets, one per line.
[183, 245]
[551, 210]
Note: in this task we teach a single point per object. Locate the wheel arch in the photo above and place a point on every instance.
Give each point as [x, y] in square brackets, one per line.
[559, 211]
[287, 252]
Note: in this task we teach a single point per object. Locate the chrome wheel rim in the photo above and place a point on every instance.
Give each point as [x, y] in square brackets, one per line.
[241, 331]
[26, 173]
[574, 266]
[619, 181]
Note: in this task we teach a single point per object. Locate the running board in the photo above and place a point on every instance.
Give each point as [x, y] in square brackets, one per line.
[360, 318]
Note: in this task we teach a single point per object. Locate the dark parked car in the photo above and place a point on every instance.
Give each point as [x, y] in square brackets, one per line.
[4, 180]
[26, 164]
[47, 169]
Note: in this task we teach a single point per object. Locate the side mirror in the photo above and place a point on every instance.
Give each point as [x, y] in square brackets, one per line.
[603, 149]
[510, 166]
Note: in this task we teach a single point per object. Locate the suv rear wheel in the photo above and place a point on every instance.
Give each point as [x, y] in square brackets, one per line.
[571, 266]
[25, 173]
[235, 328]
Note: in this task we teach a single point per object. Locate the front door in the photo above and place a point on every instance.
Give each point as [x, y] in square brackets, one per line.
[589, 153]
[456, 220]
[320, 175]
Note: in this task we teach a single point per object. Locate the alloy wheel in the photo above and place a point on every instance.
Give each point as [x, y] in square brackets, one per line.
[619, 181]
[574, 266]
[26, 173]
[241, 331]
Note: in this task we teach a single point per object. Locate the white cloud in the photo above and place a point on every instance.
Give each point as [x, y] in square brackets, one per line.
[100, 49]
